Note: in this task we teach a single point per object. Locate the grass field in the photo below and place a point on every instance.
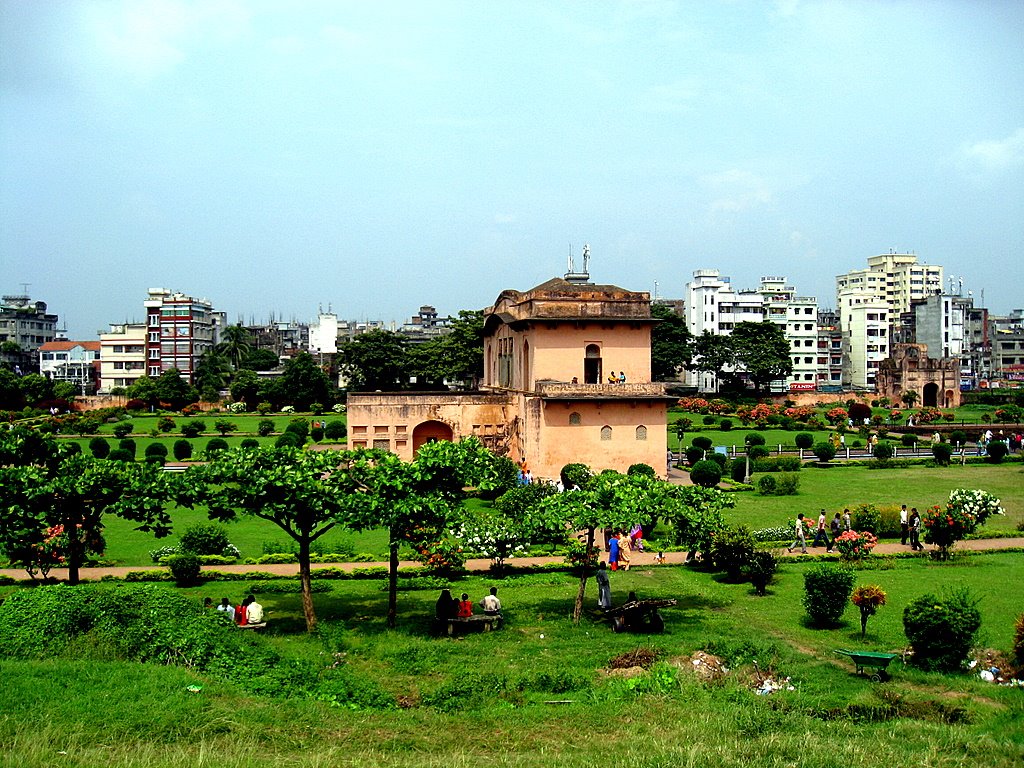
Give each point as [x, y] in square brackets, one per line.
[539, 692]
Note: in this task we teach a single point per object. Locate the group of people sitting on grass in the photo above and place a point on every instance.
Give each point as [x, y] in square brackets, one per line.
[248, 613]
[449, 607]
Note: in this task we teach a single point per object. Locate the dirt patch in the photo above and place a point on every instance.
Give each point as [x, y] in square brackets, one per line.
[705, 666]
[639, 657]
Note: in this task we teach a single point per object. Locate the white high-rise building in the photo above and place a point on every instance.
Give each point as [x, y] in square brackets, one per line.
[798, 318]
[323, 334]
[865, 319]
[122, 356]
[896, 278]
[713, 305]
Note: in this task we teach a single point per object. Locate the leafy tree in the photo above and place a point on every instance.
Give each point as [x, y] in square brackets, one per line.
[672, 344]
[245, 387]
[260, 360]
[234, 345]
[305, 382]
[376, 360]
[909, 398]
[64, 390]
[304, 493]
[695, 514]
[36, 388]
[762, 351]
[225, 425]
[172, 389]
[712, 353]
[11, 396]
[47, 486]
[211, 375]
[144, 389]
[457, 355]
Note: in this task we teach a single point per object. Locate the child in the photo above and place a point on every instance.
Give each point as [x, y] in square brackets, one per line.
[659, 559]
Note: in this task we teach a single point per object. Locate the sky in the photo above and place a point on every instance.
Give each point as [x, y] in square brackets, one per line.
[371, 157]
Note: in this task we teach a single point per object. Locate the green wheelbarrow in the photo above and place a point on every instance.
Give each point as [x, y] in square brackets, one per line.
[871, 660]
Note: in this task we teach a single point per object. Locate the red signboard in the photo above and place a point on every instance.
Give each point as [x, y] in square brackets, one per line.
[803, 386]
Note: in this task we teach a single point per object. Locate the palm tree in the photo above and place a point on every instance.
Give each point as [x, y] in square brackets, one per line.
[211, 375]
[909, 397]
[234, 344]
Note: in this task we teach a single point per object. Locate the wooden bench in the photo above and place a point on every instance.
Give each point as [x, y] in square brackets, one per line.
[487, 620]
[639, 615]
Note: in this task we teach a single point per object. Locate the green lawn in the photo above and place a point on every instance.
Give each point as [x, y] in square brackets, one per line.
[539, 692]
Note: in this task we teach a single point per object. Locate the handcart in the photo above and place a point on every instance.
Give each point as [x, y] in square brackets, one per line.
[873, 660]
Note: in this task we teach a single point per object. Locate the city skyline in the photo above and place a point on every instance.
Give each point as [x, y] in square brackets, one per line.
[379, 157]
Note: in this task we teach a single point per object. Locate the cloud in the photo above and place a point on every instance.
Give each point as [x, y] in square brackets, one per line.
[737, 190]
[673, 97]
[997, 154]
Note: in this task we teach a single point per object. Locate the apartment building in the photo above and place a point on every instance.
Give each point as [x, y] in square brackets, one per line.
[180, 329]
[76, 362]
[798, 318]
[865, 319]
[896, 278]
[27, 324]
[122, 356]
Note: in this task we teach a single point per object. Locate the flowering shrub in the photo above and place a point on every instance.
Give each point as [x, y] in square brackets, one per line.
[837, 415]
[694, 404]
[338, 408]
[47, 553]
[718, 407]
[868, 598]
[895, 415]
[963, 513]
[288, 409]
[854, 546]
[238, 407]
[927, 415]
[191, 409]
[800, 413]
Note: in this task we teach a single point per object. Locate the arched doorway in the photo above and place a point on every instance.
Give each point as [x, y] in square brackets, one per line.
[930, 395]
[429, 432]
[950, 399]
[592, 365]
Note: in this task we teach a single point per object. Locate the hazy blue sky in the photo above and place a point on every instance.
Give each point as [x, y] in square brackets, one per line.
[375, 156]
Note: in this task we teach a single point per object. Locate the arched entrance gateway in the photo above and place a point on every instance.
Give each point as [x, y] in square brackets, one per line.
[430, 432]
[930, 395]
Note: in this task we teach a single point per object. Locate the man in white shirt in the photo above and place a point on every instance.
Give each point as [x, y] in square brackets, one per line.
[226, 607]
[492, 605]
[254, 613]
[904, 525]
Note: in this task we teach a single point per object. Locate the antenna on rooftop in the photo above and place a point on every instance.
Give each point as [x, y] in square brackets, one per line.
[24, 288]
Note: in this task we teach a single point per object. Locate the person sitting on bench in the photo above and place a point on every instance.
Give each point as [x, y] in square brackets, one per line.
[492, 605]
[254, 615]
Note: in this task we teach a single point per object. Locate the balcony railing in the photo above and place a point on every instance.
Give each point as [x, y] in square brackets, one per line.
[570, 390]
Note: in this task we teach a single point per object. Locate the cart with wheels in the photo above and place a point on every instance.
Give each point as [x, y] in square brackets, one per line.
[870, 660]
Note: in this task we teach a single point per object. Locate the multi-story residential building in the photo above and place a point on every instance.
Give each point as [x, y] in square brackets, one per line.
[425, 325]
[76, 362]
[323, 334]
[798, 318]
[713, 305]
[830, 351]
[896, 278]
[180, 330]
[122, 356]
[865, 321]
[285, 338]
[1007, 334]
[27, 324]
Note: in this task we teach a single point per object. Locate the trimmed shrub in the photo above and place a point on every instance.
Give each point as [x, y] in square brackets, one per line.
[204, 539]
[804, 440]
[156, 449]
[766, 485]
[335, 430]
[99, 447]
[909, 440]
[702, 441]
[706, 473]
[694, 454]
[193, 428]
[958, 437]
[720, 459]
[128, 444]
[182, 450]
[941, 452]
[250, 443]
[265, 428]
[738, 470]
[122, 429]
[757, 452]
[866, 517]
[827, 589]
[641, 469]
[120, 454]
[825, 451]
[731, 550]
[299, 426]
[288, 440]
[942, 631]
[165, 424]
[754, 438]
[215, 445]
[996, 452]
[725, 425]
[225, 425]
[787, 485]
[883, 451]
[316, 434]
[185, 568]
[760, 569]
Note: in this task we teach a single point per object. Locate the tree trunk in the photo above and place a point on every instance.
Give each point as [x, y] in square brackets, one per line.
[393, 584]
[577, 610]
[305, 580]
[76, 548]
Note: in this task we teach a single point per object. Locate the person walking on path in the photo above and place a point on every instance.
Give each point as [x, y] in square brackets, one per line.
[623, 550]
[904, 525]
[613, 552]
[604, 588]
[847, 524]
[822, 533]
[837, 528]
[801, 536]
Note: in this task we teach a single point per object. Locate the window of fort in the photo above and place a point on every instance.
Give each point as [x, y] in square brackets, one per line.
[574, 419]
[641, 432]
[592, 364]
[606, 432]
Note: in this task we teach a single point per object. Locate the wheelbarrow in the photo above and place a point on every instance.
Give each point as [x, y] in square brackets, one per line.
[871, 660]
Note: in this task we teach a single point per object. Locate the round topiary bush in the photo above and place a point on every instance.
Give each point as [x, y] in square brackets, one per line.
[216, 445]
[804, 440]
[702, 441]
[694, 454]
[120, 454]
[766, 485]
[754, 438]
[265, 428]
[156, 449]
[708, 420]
[335, 430]
[825, 451]
[706, 473]
[958, 438]
[942, 452]
[316, 434]
[99, 447]
[641, 469]
[182, 450]
[827, 589]
[128, 444]
[185, 569]
[725, 425]
[756, 452]
[250, 443]
[995, 452]
[719, 458]
[909, 440]
[122, 429]
[942, 631]
[204, 539]
[288, 440]
[883, 451]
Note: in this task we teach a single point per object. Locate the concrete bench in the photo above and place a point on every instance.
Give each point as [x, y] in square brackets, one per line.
[488, 621]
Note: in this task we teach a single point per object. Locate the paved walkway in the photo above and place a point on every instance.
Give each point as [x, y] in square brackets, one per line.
[637, 559]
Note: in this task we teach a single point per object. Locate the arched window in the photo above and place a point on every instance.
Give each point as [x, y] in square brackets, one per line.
[606, 432]
[574, 418]
[641, 432]
[592, 365]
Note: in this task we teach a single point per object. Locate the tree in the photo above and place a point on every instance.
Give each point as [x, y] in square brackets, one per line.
[260, 360]
[695, 514]
[211, 374]
[762, 351]
[234, 345]
[144, 389]
[172, 389]
[36, 388]
[305, 382]
[416, 502]
[375, 360]
[11, 396]
[46, 485]
[457, 355]
[712, 353]
[301, 492]
[672, 344]
[245, 387]
[909, 398]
